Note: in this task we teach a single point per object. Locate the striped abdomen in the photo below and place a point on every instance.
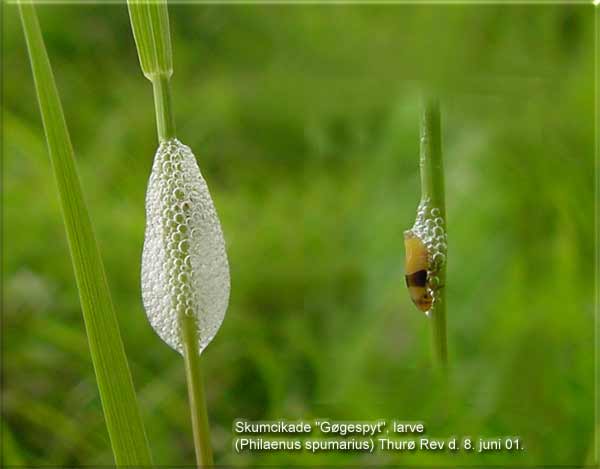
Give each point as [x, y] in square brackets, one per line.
[416, 266]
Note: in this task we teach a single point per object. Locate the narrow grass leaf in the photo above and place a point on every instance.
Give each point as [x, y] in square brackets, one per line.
[119, 402]
[150, 24]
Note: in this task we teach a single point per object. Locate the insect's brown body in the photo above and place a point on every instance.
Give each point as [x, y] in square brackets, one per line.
[416, 266]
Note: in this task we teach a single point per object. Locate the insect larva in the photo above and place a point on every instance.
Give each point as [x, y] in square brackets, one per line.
[417, 271]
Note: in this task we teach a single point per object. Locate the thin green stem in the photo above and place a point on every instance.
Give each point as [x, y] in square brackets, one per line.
[432, 189]
[165, 121]
[432, 166]
[200, 426]
[188, 325]
[595, 451]
[150, 25]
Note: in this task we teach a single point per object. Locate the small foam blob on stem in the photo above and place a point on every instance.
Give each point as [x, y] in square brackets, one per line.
[430, 228]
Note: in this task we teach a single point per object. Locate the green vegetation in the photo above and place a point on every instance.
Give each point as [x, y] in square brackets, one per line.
[126, 430]
[305, 120]
[432, 189]
[150, 25]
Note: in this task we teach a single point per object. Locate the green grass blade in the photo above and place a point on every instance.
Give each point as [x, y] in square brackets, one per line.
[121, 411]
[150, 24]
[193, 374]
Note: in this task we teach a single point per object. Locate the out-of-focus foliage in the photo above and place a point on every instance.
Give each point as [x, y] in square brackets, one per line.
[305, 123]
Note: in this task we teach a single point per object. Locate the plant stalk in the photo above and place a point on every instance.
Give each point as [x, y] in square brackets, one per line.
[432, 188]
[150, 25]
[165, 121]
[193, 374]
[115, 385]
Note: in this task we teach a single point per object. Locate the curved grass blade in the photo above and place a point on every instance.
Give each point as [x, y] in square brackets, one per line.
[119, 402]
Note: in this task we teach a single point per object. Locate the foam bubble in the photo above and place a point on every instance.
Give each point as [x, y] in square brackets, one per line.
[430, 228]
[184, 262]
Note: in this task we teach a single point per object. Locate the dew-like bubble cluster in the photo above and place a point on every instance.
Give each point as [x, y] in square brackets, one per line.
[184, 263]
[430, 228]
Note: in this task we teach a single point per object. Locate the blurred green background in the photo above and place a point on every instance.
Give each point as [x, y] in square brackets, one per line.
[305, 123]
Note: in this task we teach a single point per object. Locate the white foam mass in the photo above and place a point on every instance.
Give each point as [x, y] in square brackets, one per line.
[430, 228]
[184, 262]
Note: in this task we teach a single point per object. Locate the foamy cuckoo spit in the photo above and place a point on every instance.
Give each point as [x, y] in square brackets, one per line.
[184, 262]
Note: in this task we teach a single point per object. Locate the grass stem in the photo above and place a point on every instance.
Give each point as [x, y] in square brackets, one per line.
[432, 188]
[150, 25]
[165, 122]
[193, 374]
